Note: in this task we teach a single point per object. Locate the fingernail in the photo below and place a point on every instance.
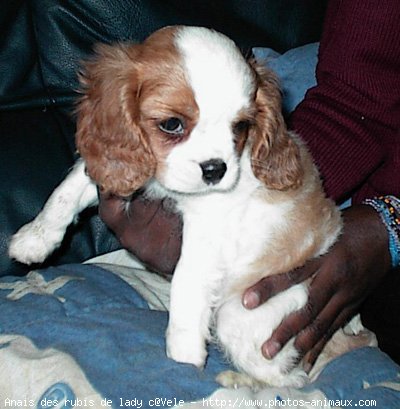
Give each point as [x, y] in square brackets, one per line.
[270, 349]
[307, 367]
[251, 299]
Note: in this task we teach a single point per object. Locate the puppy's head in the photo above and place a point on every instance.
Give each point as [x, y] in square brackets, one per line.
[180, 108]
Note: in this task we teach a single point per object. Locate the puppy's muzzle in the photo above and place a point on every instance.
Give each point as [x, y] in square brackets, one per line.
[213, 171]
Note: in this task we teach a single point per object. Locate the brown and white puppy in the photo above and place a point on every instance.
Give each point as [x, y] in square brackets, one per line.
[184, 115]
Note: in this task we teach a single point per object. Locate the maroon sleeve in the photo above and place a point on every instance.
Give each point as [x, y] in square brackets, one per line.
[351, 119]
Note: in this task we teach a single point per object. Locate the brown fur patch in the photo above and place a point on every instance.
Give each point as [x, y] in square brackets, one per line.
[128, 90]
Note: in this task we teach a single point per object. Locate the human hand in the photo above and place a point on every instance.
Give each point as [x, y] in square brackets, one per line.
[341, 280]
[148, 229]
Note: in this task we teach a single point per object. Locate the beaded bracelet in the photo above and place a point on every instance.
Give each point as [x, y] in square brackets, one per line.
[388, 208]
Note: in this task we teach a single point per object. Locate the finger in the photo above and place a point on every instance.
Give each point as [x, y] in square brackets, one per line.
[272, 285]
[112, 209]
[324, 325]
[311, 356]
[320, 328]
[321, 310]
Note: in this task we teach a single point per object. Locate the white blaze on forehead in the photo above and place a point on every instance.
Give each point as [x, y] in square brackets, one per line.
[221, 79]
[223, 86]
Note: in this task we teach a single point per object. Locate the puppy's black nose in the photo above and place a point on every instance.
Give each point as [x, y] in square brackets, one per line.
[213, 170]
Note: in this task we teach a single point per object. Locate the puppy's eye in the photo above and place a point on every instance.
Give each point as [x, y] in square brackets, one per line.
[240, 127]
[172, 126]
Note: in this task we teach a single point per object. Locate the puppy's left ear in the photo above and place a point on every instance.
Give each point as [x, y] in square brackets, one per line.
[275, 156]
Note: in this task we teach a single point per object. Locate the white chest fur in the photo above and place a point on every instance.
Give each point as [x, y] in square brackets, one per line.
[224, 233]
[232, 228]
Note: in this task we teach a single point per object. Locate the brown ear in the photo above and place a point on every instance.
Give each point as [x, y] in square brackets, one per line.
[275, 155]
[116, 152]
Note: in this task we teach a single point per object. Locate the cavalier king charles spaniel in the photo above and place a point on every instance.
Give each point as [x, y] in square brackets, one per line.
[185, 116]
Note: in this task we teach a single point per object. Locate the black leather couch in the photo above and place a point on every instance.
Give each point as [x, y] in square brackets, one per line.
[42, 43]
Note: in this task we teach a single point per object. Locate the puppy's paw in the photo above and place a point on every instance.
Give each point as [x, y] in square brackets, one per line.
[235, 380]
[33, 243]
[186, 347]
[297, 378]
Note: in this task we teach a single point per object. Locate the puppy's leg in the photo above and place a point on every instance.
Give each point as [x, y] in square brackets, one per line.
[191, 299]
[35, 241]
[189, 318]
[241, 333]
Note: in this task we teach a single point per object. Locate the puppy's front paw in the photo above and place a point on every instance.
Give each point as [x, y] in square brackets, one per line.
[32, 243]
[235, 380]
[186, 347]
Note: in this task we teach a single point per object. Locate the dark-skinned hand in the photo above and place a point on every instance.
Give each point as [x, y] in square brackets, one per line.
[341, 280]
[148, 229]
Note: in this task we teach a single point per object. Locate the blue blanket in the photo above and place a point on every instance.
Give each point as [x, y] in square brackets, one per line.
[65, 327]
[107, 327]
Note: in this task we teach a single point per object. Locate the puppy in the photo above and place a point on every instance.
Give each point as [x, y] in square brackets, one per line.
[184, 116]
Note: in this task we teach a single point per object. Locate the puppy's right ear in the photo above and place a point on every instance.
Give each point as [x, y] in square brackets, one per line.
[117, 154]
